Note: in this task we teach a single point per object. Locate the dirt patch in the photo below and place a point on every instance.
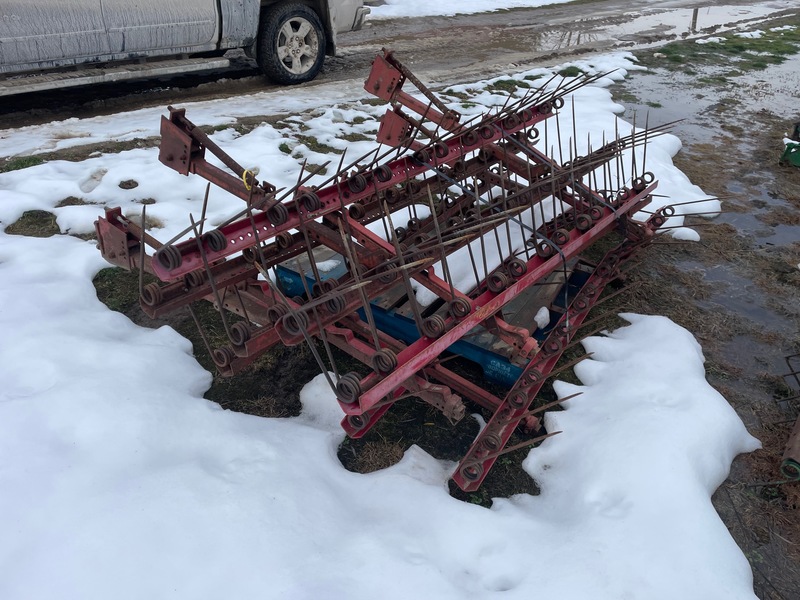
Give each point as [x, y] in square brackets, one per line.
[269, 388]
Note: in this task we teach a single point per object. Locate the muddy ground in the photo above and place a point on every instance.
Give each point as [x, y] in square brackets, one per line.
[441, 50]
[736, 291]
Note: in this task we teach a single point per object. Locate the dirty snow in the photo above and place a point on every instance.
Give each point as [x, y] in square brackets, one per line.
[709, 40]
[392, 9]
[120, 481]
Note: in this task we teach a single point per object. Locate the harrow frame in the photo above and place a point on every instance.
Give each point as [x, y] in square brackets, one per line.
[476, 189]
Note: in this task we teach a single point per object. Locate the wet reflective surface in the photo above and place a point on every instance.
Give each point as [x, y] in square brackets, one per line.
[739, 285]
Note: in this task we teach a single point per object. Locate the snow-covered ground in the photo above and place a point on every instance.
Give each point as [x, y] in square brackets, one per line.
[118, 480]
[392, 9]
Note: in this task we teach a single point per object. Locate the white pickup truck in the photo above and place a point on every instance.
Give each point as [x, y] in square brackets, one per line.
[124, 39]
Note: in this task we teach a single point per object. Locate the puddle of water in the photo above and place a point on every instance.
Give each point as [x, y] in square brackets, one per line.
[774, 89]
[669, 103]
[639, 29]
[737, 294]
[785, 235]
[753, 356]
[688, 22]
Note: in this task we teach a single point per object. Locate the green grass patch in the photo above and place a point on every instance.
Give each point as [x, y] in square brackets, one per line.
[118, 289]
[23, 162]
[316, 169]
[35, 223]
[572, 71]
[733, 54]
[533, 77]
[508, 85]
[315, 145]
[355, 137]
[284, 147]
[459, 95]
[627, 97]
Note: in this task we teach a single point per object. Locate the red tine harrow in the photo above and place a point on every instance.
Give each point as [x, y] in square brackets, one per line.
[448, 238]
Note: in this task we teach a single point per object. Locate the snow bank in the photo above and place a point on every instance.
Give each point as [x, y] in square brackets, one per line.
[120, 481]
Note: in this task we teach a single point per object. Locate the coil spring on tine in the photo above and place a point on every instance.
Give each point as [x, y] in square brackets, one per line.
[517, 399]
[309, 200]
[383, 173]
[497, 282]
[335, 304]
[223, 357]
[472, 471]
[460, 307]
[433, 327]
[491, 441]
[531, 376]
[215, 240]
[169, 257]
[152, 294]
[357, 422]
[583, 222]
[240, 333]
[357, 183]
[516, 267]
[544, 249]
[295, 322]
[384, 361]
[276, 312]
[348, 388]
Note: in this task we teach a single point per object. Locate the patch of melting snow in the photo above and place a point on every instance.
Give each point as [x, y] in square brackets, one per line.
[709, 40]
[750, 34]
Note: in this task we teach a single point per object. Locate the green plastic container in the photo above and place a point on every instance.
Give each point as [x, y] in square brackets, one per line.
[791, 156]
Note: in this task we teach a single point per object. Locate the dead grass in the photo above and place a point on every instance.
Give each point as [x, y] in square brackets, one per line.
[150, 222]
[35, 223]
[72, 201]
[377, 455]
[780, 215]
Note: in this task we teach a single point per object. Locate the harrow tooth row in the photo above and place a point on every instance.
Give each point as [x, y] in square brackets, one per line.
[449, 238]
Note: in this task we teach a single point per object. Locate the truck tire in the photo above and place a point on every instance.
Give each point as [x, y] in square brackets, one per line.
[291, 43]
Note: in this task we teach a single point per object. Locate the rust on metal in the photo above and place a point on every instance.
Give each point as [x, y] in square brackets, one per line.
[458, 232]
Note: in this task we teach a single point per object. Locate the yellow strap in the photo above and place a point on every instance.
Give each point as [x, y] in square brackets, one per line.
[244, 179]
